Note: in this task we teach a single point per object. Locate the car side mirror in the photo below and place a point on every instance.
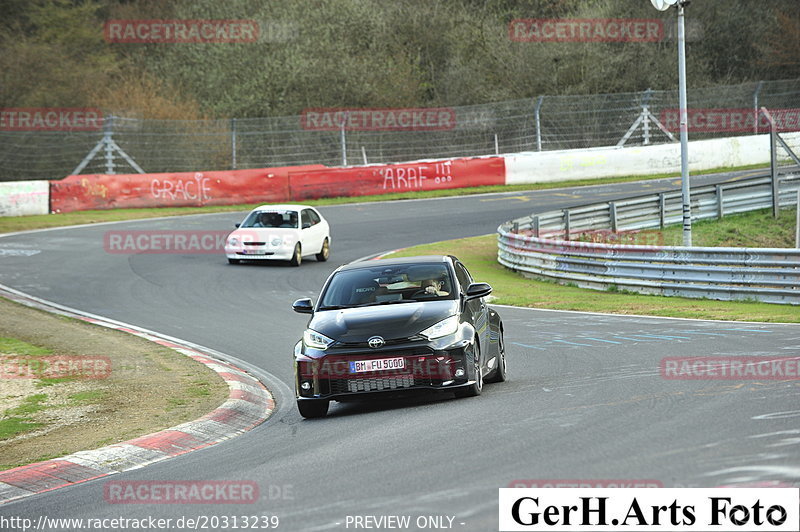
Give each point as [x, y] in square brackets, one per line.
[303, 306]
[478, 290]
[236, 225]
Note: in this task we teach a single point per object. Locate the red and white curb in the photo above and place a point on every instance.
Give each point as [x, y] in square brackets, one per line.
[249, 404]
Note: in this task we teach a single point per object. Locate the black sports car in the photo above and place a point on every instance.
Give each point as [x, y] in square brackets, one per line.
[396, 325]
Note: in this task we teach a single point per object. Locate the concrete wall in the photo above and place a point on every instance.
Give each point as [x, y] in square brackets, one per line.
[20, 198]
[537, 167]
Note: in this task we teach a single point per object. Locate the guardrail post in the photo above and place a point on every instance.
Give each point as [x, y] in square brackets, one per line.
[797, 223]
[566, 224]
[515, 227]
[662, 208]
[612, 212]
[536, 226]
[720, 209]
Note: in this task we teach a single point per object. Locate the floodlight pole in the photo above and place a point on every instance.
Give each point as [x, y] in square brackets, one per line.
[684, 124]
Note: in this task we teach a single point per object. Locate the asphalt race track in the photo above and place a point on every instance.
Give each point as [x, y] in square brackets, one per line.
[585, 399]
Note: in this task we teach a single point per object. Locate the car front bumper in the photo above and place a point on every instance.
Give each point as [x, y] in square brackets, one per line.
[266, 253]
[329, 376]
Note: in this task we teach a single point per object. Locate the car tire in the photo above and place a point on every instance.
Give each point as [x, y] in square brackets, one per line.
[297, 256]
[474, 389]
[233, 261]
[325, 252]
[499, 375]
[313, 408]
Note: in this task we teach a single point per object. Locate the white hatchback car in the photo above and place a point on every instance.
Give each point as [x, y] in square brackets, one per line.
[280, 232]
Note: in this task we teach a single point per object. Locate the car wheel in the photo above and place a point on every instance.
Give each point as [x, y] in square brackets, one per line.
[233, 261]
[325, 252]
[499, 374]
[313, 408]
[474, 389]
[297, 257]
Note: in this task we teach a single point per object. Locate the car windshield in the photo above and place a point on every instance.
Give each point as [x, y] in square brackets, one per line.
[383, 285]
[285, 219]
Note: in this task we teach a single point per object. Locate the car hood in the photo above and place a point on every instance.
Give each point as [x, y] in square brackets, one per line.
[392, 322]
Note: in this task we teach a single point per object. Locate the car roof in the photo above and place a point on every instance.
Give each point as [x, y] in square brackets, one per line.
[421, 259]
[282, 207]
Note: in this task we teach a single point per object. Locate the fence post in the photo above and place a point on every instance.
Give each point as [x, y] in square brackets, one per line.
[364, 155]
[108, 140]
[496, 145]
[566, 224]
[648, 94]
[755, 105]
[536, 226]
[773, 162]
[343, 138]
[720, 206]
[233, 143]
[537, 114]
[662, 209]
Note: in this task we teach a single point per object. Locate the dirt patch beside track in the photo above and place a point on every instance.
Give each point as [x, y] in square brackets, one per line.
[147, 388]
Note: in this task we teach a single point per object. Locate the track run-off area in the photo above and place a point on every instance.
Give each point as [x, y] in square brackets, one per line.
[585, 399]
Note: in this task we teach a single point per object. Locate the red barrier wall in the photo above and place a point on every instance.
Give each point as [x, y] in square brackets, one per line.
[385, 179]
[182, 189]
[268, 185]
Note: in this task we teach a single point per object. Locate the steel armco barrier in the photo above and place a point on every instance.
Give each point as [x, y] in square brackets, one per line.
[540, 246]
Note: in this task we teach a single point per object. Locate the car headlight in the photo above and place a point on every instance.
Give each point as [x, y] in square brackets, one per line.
[316, 340]
[443, 328]
[233, 241]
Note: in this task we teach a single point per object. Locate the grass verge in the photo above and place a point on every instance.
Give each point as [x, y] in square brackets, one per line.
[509, 288]
[44, 221]
[751, 229]
[149, 387]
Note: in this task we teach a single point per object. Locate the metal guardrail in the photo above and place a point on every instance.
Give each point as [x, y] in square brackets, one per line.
[544, 246]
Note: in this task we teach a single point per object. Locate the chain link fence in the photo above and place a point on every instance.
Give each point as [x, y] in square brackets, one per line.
[128, 145]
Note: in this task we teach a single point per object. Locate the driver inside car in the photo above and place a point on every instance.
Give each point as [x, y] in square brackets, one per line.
[433, 287]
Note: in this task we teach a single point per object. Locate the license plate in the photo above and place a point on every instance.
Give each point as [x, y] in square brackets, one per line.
[377, 364]
[253, 251]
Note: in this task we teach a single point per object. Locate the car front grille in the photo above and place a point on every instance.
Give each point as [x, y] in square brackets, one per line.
[380, 383]
[377, 384]
[388, 342]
